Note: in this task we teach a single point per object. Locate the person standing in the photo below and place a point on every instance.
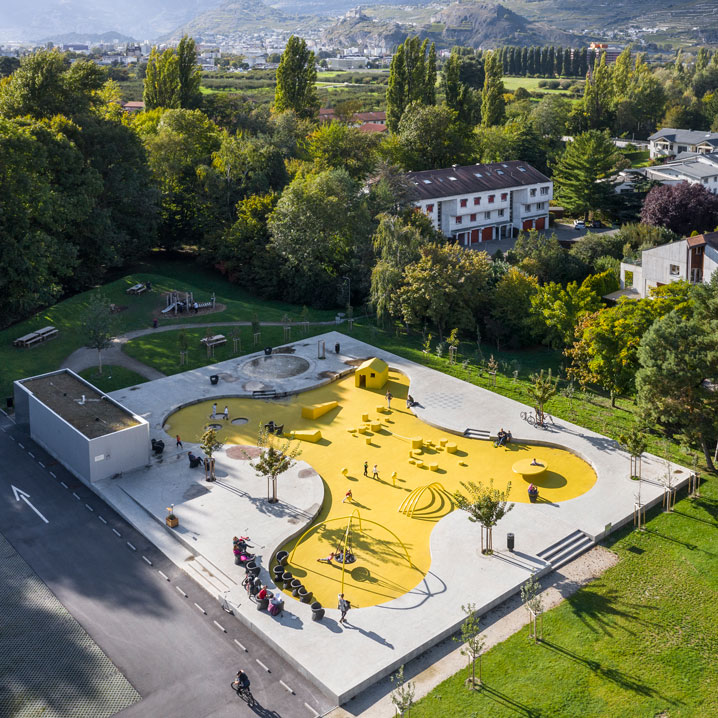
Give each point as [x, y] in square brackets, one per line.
[343, 606]
[375, 475]
[366, 468]
[226, 413]
[179, 442]
[389, 397]
[214, 409]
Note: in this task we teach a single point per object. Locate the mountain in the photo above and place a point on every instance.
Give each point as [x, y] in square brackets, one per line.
[91, 39]
[472, 24]
[245, 16]
[30, 20]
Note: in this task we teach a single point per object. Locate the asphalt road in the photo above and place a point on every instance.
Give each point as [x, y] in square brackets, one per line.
[152, 620]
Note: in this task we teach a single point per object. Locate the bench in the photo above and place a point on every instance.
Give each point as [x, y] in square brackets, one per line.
[136, 289]
[214, 341]
[36, 337]
[47, 332]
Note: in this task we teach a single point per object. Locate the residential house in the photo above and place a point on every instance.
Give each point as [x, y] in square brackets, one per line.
[695, 168]
[478, 203]
[693, 260]
[669, 142]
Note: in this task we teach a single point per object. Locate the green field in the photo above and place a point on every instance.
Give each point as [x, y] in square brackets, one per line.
[531, 84]
[112, 377]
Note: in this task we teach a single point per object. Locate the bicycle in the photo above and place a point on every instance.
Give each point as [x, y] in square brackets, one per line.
[244, 693]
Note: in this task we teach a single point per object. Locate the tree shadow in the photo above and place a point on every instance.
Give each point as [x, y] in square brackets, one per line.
[508, 702]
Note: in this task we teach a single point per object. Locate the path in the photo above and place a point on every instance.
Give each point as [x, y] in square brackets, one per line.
[86, 358]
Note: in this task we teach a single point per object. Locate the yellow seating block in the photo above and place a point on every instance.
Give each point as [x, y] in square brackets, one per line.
[411, 461]
[352, 430]
[365, 417]
[433, 467]
[451, 447]
[314, 411]
[463, 463]
[375, 425]
[368, 439]
[417, 442]
[312, 435]
[443, 441]
[420, 464]
[362, 429]
[380, 409]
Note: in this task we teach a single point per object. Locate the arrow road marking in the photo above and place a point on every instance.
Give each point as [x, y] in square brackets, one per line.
[20, 494]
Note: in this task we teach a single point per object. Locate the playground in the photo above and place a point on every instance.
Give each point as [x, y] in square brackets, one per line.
[384, 526]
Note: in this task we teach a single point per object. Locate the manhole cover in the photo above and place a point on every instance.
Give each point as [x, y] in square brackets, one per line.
[240, 420]
[217, 427]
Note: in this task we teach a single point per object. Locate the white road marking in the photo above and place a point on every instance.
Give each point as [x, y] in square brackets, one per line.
[144, 558]
[76, 496]
[240, 645]
[53, 475]
[41, 464]
[20, 494]
[88, 507]
[130, 545]
[64, 485]
[200, 608]
[164, 575]
[262, 664]
[287, 687]
[117, 533]
[220, 627]
[181, 591]
[314, 713]
[104, 521]
[31, 455]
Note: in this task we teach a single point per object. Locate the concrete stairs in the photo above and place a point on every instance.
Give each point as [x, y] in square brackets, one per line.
[567, 549]
[477, 434]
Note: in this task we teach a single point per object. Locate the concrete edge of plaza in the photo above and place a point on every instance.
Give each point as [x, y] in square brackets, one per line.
[593, 524]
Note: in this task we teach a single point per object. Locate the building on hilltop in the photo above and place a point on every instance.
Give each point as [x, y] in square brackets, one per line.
[478, 203]
[669, 142]
[693, 259]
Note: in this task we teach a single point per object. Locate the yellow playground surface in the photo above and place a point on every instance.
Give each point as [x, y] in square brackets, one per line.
[342, 425]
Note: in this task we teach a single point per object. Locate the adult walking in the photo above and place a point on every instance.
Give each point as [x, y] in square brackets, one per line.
[375, 475]
[366, 469]
[179, 442]
[389, 397]
[344, 607]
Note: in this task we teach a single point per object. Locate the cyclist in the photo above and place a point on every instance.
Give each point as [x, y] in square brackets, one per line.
[241, 682]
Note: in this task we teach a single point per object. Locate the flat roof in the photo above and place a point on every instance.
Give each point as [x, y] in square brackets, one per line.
[96, 416]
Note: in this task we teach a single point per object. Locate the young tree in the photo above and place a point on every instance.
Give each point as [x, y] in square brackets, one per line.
[682, 208]
[485, 506]
[582, 171]
[296, 80]
[99, 326]
[209, 443]
[188, 72]
[531, 596]
[277, 457]
[634, 442]
[403, 694]
[162, 80]
[473, 644]
[492, 96]
[544, 387]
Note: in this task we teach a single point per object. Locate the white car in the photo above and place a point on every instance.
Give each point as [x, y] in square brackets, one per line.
[579, 224]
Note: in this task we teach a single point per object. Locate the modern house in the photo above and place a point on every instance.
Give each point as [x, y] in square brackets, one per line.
[693, 260]
[669, 142]
[695, 168]
[478, 203]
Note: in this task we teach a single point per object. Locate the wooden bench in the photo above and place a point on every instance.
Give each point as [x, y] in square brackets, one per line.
[214, 341]
[36, 337]
[47, 332]
[136, 289]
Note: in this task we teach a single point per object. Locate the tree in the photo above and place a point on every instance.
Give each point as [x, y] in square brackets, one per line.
[550, 116]
[511, 318]
[582, 171]
[296, 80]
[412, 78]
[162, 80]
[679, 366]
[486, 506]
[99, 327]
[403, 694]
[531, 596]
[188, 73]
[634, 442]
[543, 388]
[492, 96]
[682, 208]
[458, 95]
[276, 458]
[541, 255]
[473, 643]
[209, 443]
[8, 65]
[335, 145]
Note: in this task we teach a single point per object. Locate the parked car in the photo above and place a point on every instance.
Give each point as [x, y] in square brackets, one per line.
[579, 224]
[597, 224]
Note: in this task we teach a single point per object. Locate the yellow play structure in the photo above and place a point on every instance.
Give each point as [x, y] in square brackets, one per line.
[418, 468]
[372, 374]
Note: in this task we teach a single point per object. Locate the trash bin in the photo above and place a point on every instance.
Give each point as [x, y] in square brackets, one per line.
[154, 324]
[336, 348]
[267, 351]
[510, 542]
[214, 379]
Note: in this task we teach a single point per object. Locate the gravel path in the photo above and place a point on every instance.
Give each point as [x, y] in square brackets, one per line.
[445, 659]
[85, 358]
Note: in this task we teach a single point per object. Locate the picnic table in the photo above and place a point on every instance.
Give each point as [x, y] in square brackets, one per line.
[137, 289]
[40, 335]
[214, 341]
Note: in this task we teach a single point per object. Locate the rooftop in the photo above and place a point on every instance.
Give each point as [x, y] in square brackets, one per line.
[689, 137]
[82, 406]
[474, 178]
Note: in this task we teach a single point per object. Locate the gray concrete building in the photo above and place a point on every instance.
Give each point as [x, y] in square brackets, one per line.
[89, 433]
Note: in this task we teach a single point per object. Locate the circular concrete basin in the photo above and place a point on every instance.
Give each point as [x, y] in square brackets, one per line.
[275, 366]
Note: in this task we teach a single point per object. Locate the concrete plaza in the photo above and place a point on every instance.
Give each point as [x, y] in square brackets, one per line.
[344, 659]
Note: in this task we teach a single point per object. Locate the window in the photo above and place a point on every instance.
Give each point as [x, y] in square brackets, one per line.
[499, 172]
[477, 174]
[522, 169]
[532, 192]
[429, 208]
[473, 218]
[487, 215]
[463, 202]
[477, 200]
[492, 197]
[527, 208]
[458, 219]
[501, 213]
[539, 205]
[674, 270]
[426, 181]
[504, 196]
[544, 190]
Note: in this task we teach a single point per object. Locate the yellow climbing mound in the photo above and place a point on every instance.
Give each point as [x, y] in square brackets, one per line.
[437, 505]
[381, 571]
[312, 435]
[314, 411]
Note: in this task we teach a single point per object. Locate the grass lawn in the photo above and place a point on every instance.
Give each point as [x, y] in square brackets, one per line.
[640, 642]
[112, 377]
[639, 159]
[138, 312]
[531, 84]
[161, 351]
